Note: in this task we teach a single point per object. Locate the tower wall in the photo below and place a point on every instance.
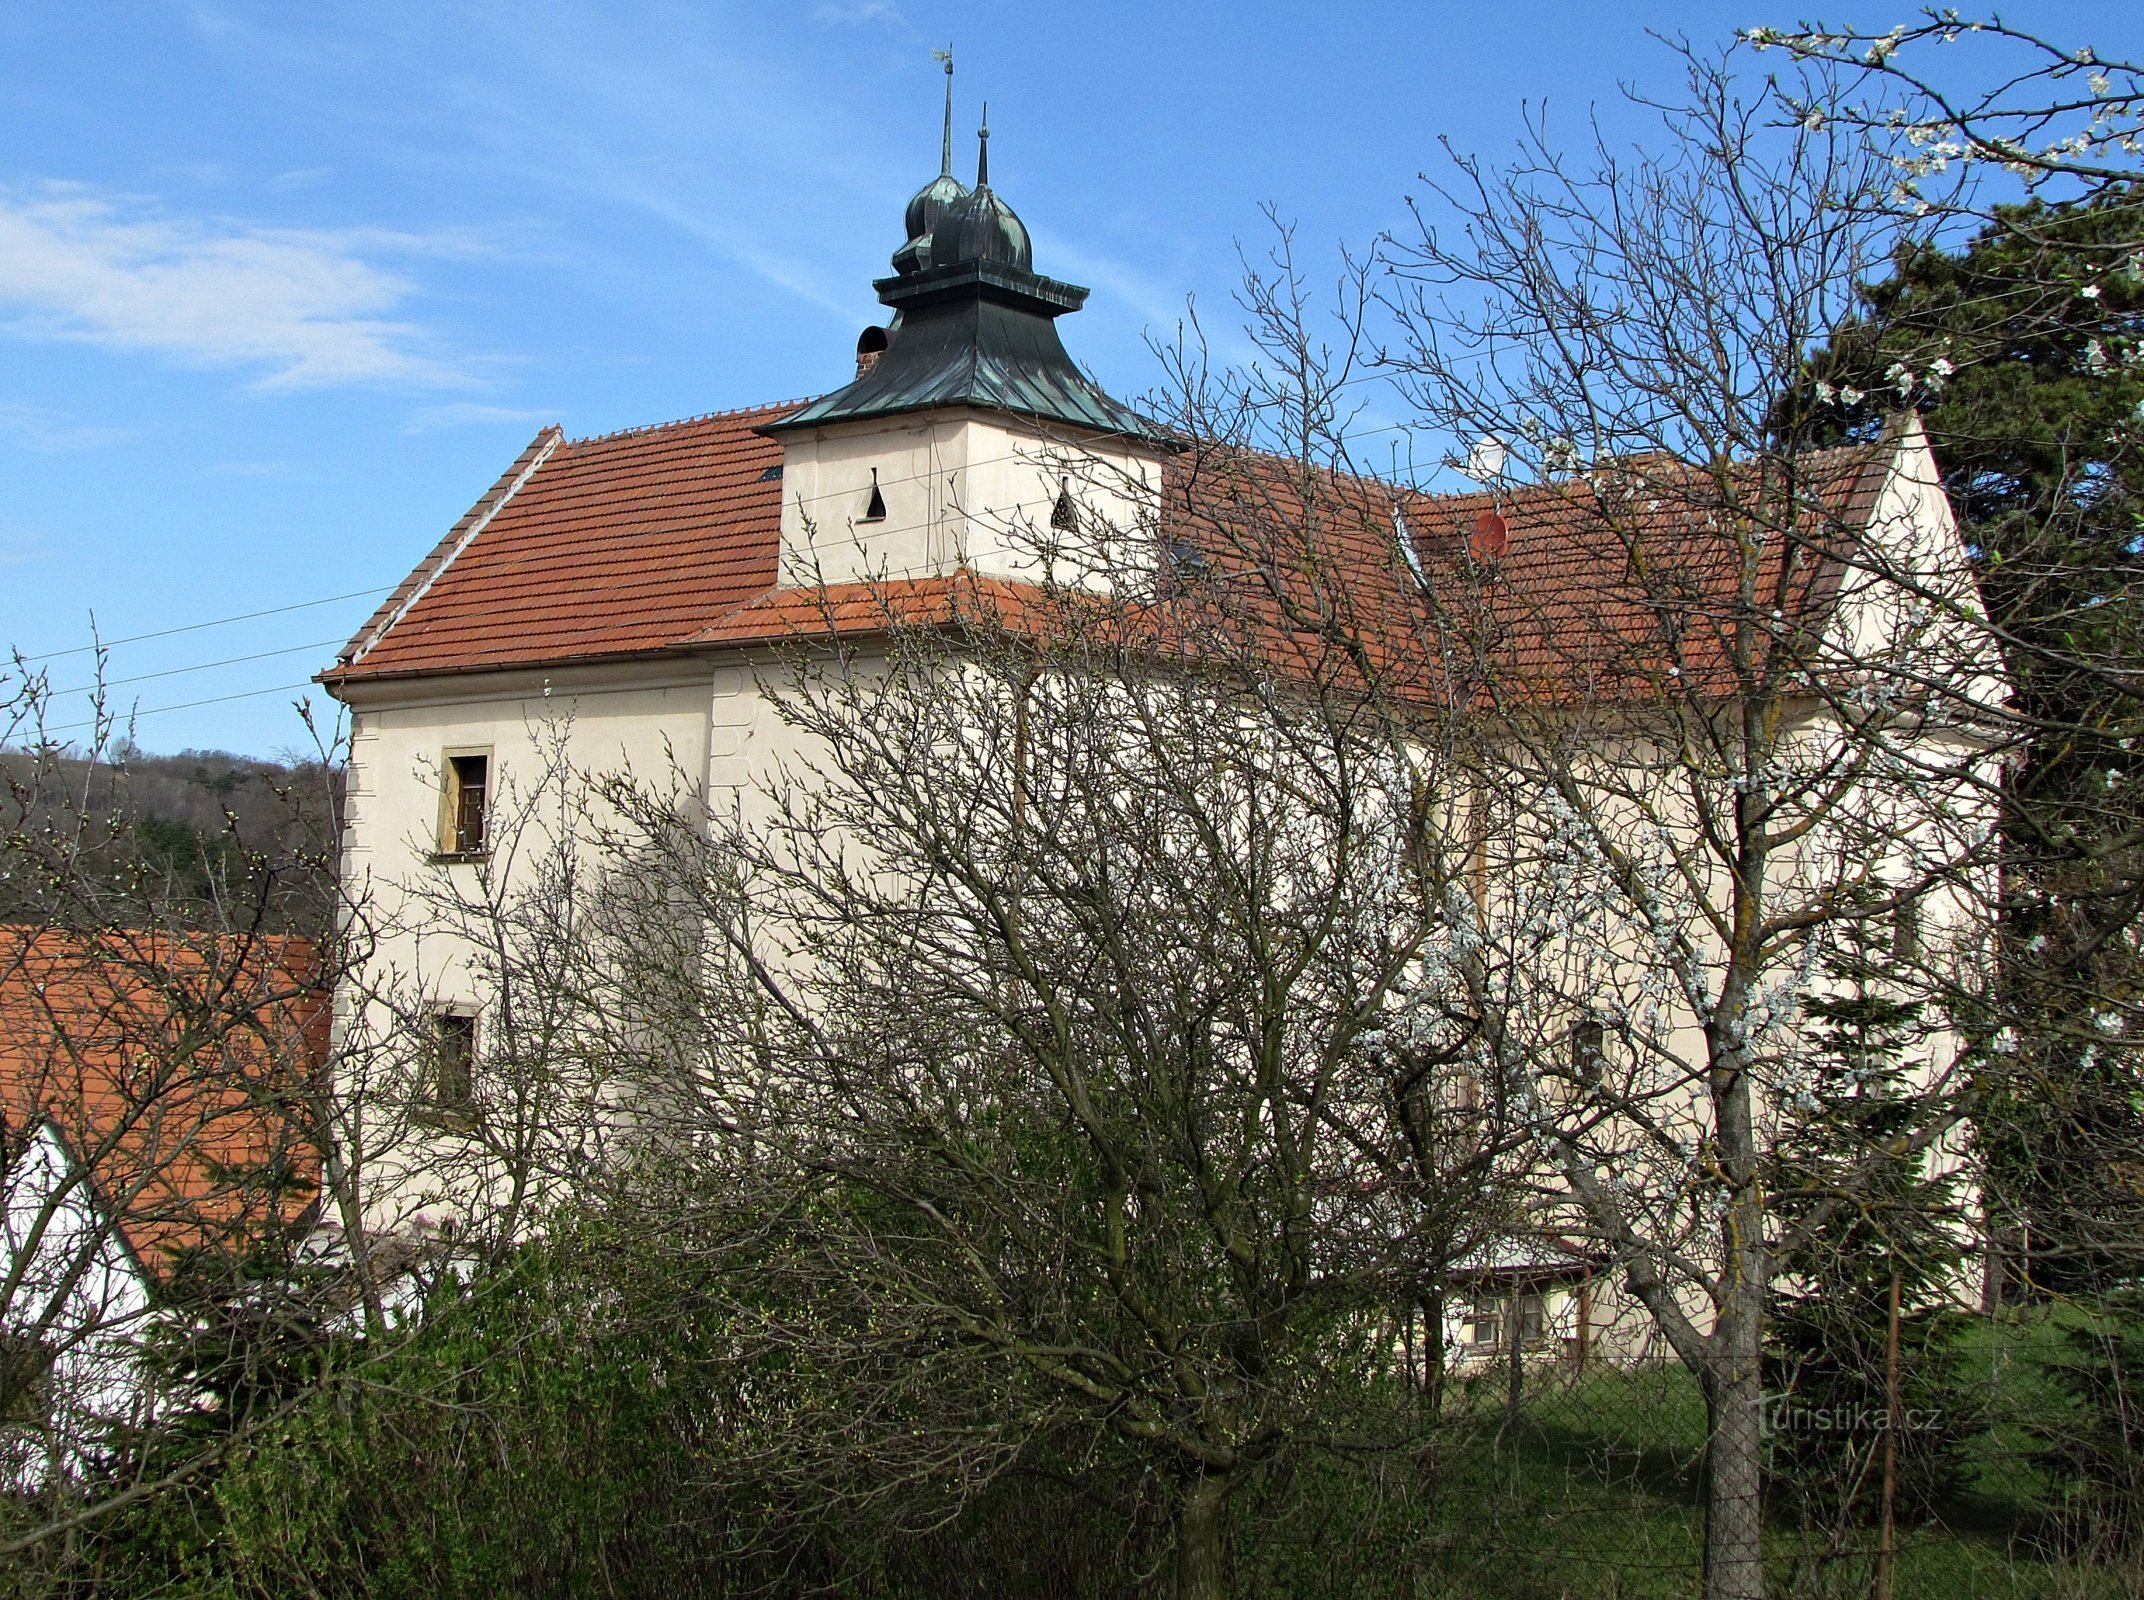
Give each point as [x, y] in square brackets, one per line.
[965, 488]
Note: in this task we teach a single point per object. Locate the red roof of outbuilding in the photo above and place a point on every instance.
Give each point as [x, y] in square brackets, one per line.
[177, 1068]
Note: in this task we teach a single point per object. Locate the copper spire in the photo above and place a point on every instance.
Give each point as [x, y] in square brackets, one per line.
[945, 158]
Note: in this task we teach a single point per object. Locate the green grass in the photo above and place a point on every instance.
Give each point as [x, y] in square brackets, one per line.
[1594, 1495]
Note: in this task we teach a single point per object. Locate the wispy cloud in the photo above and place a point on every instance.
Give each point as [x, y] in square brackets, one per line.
[44, 430]
[666, 109]
[855, 11]
[309, 307]
[467, 413]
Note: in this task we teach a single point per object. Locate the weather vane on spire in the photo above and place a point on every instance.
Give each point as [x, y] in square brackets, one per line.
[945, 159]
[982, 152]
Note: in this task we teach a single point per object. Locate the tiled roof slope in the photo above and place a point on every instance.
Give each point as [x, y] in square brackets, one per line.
[623, 545]
[667, 540]
[1608, 580]
[174, 1067]
[1617, 585]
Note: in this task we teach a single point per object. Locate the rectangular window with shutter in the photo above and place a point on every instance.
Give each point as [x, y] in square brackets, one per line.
[463, 813]
[451, 1085]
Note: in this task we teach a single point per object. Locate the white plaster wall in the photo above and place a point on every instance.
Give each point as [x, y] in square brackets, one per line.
[547, 734]
[79, 1293]
[651, 720]
[967, 489]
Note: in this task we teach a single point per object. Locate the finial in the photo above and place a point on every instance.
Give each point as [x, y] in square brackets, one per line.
[982, 155]
[945, 158]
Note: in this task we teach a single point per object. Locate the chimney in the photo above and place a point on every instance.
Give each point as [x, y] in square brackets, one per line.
[870, 345]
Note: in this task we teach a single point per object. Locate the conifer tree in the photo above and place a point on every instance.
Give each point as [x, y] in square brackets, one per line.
[1828, 1353]
[2023, 352]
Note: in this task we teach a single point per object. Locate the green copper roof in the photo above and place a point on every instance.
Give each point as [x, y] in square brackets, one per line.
[976, 334]
[978, 329]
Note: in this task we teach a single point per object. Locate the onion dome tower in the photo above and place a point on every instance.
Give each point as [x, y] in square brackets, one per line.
[974, 324]
[935, 198]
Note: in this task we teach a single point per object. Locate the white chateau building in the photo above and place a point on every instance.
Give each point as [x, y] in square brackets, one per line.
[610, 599]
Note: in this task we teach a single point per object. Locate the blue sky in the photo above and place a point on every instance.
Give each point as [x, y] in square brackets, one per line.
[282, 287]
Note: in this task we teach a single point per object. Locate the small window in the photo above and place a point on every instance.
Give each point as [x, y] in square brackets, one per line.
[875, 507]
[464, 815]
[1491, 1318]
[1589, 1051]
[1486, 1319]
[452, 1076]
[1533, 1318]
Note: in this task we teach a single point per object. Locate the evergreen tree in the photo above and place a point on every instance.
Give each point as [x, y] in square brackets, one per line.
[1827, 1356]
[2023, 351]
[2093, 1443]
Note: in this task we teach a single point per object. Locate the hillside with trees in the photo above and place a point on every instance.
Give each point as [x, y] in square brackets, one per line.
[203, 837]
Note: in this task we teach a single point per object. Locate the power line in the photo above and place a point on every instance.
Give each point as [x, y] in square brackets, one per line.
[205, 666]
[217, 622]
[157, 711]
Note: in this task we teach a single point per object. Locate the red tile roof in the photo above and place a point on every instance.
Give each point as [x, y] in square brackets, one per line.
[173, 1067]
[624, 545]
[1609, 584]
[666, 541]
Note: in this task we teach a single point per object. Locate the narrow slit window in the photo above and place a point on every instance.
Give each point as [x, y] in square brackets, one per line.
[1589, 1050]
[453, 1074]
[875, 507]
[462, 826]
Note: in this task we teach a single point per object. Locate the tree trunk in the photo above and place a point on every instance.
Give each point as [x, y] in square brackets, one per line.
[1734, 1461]
[1887, 1542]
[1433, 1353]
[1200, 1573]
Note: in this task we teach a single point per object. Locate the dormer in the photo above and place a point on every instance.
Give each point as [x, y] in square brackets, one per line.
[971, 440]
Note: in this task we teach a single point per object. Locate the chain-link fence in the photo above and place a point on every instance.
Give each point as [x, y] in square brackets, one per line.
[2010, 1466]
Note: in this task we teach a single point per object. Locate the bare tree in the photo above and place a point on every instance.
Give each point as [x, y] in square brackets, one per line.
[1733, 704]
[2047, 114]
[161, 1054]
[469, 1141]
[1053, 1019]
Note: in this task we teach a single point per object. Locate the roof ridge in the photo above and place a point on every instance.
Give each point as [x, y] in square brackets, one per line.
[703, 416]
[463, 535]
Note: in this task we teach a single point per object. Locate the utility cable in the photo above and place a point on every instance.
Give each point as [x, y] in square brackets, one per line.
[116, 721]
[205, 666]
[217, 622]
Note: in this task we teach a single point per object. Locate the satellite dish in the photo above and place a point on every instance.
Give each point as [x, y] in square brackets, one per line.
[1488, 537]
[1485, 462]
